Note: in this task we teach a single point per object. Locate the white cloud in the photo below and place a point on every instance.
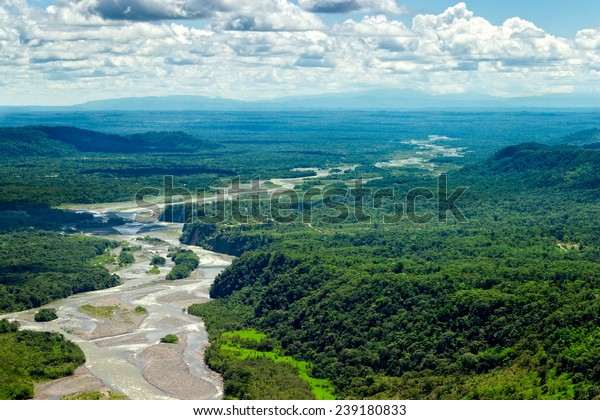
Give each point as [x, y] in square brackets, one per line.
[588, 39]
[372, 26]
[145, 10]
[389, 7]
[268, 15]
[456, 38]
[270, 48]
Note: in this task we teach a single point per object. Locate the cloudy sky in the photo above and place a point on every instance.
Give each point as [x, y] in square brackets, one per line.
[60, 52]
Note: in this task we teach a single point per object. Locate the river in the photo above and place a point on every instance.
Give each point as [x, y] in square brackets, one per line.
[124, 353]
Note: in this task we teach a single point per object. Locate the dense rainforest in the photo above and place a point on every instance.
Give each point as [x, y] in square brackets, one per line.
[37, 267]
[58, 165]
[504, 306]
[29, 356]
[115, 155]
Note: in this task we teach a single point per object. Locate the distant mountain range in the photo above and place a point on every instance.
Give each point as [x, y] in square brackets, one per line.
[390, 99]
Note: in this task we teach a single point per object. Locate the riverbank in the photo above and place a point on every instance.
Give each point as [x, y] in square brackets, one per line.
[81, 381]
[122, 350]
[164, 367]
[121, 345]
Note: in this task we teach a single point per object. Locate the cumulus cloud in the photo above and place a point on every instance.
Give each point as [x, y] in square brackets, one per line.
[268, 15]
[234, 15]
[457, 37]
[75, 51]
[373, 26]
[588, 39]
[147, 10]
[350, 6]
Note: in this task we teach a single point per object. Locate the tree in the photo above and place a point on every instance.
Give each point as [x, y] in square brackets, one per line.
[46, 315]
[158, 260]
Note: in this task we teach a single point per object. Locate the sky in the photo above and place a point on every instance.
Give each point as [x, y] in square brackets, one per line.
[62, 52]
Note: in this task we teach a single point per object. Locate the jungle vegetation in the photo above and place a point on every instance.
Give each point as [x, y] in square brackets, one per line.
[185, 261]
[29, 356]
[503, 307]
[37, 267]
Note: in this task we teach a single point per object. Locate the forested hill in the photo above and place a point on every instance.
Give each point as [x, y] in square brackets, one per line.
[534, 165]
[505, 306]
[64, 141]
[582, 138]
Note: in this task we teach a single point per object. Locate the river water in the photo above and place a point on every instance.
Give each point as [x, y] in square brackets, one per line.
[125, 354]
[116, 350]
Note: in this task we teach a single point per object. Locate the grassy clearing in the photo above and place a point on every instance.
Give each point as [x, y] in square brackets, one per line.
[170, 339]
[154, 270]
[322, 388]
[106, 312]
[244, 335]
[252, 363]
[114, 312]
[102, 260]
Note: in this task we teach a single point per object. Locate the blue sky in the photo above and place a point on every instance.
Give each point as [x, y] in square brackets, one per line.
[69, 51]
[559, 17]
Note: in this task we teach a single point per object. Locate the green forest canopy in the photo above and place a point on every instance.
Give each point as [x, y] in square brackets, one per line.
[37, 267]
[29, 356]
[503, 307]
[498, 308]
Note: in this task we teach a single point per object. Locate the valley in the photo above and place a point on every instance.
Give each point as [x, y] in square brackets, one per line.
[321, 300]
[124, 354]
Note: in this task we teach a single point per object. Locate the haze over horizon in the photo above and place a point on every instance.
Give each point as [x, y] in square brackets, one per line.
[67, 52]
[384, 100]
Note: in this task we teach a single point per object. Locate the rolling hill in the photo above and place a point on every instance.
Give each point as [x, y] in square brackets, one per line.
[64, 141]
[582, 138]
